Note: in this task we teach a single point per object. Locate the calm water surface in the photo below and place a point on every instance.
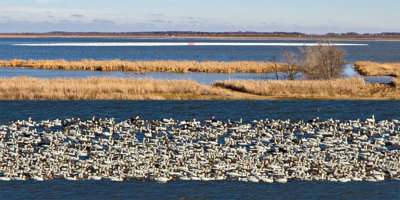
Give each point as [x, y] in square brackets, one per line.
[60, 189]
[380, 51]
[201, 110]
[203, 78]
[181, 110]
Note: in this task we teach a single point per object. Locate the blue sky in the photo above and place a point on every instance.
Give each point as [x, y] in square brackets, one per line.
[309, 16]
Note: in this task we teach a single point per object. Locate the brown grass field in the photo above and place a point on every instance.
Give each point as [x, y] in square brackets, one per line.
[24, 88]
[149, 66]
[377, 69]
[396, 83]
[354, 88]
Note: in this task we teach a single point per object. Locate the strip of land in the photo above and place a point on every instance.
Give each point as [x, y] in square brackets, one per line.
[150, 66]
[170, 66]
[354, 88]
[24, 88]
[396, 83]
[377, 69]
[217, 35]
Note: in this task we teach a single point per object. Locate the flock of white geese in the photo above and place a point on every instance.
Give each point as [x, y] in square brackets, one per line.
[168, 150]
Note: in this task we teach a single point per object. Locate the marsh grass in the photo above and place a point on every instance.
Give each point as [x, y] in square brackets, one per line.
[354, 88]
[148, 66]
[395, 83]
[25, 88]
[106, 88]
[377, 69]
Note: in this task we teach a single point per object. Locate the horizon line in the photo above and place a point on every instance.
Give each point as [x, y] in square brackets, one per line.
[142, 44]
[207, 32]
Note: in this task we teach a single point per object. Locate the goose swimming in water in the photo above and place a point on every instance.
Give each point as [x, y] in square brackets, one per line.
[161, 179]
[4, 178]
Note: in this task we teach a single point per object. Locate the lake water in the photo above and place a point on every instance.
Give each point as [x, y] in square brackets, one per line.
[180, 110]
[203, 78]
[201, 110]
[59, 189]
[380, 51]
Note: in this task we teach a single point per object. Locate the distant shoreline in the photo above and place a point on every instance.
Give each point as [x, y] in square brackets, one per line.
[212, 35]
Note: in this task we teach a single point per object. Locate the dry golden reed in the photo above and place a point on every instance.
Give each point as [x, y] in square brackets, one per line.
[105, 88]
[395, 83]
[377, 69]
[24, 88]
[149, 66]
[354, 88]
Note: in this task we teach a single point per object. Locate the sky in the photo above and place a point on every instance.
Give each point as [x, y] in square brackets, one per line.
[307, 16]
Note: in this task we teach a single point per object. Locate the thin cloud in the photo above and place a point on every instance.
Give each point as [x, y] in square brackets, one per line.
[23, 11]
[46, 1]
[157, 21]
[76, 15]
[102, 21]
[156, 15]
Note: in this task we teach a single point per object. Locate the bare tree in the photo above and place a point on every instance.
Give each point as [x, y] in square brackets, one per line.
[291, 67]
[324, 61]
[276, 67]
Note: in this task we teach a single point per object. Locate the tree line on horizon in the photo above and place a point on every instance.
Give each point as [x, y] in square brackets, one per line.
[217, 34]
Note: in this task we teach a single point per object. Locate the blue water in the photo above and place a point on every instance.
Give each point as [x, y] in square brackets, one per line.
[201, 110]
[380, 51]
[180, 110]
[59, 189]
[203, 78]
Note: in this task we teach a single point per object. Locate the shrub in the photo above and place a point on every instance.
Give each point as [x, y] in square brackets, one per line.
[324, 61]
